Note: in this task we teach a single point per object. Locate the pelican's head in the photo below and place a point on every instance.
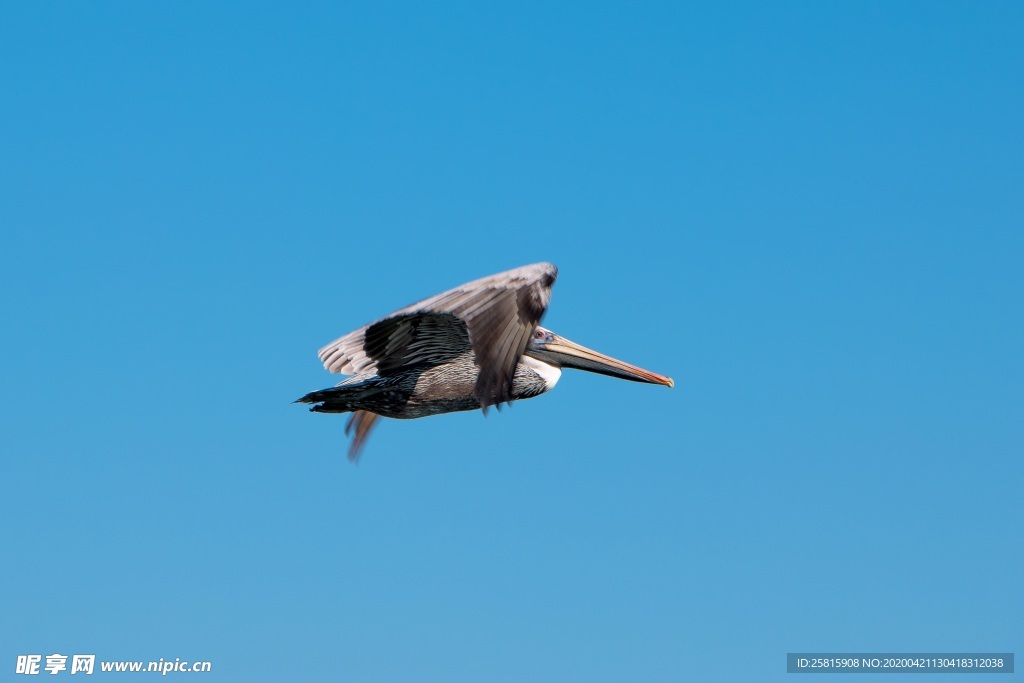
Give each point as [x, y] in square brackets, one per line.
[558, 351]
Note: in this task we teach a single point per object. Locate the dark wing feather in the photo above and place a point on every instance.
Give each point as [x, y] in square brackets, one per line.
[362, 421]
[413, 338]
[398, 341]
[496, 315]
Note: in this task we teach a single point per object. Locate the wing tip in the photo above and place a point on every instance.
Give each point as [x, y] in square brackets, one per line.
[362, 422]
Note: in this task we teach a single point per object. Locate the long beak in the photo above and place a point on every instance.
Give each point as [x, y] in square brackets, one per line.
[564, 353]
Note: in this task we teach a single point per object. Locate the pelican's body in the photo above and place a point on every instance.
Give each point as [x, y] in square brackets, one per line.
[468, 348]
[431, 390]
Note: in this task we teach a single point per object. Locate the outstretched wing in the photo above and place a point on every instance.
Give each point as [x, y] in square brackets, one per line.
[494, 315]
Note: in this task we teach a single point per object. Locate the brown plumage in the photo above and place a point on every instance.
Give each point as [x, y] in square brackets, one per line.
[473, 346]
[495, 316]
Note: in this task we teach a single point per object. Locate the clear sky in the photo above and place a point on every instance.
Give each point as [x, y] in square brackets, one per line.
[809, 214]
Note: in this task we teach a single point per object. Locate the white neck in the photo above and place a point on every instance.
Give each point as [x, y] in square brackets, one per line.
[548, 373]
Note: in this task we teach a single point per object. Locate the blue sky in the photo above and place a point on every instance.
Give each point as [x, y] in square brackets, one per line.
[808, 214]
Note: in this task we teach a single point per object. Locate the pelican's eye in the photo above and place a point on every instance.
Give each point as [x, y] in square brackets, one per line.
[539, 334]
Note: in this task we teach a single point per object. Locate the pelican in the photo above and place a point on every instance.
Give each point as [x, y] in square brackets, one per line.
[471, 347]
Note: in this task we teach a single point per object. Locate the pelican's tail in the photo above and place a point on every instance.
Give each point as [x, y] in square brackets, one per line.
[348, 398]
[344, 398]
[330, 400]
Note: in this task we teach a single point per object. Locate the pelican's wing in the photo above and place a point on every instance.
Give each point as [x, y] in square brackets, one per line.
[362, 421]
[495, 315]
[396, 342]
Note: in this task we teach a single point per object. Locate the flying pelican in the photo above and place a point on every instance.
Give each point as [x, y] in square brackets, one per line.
[471, 347]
